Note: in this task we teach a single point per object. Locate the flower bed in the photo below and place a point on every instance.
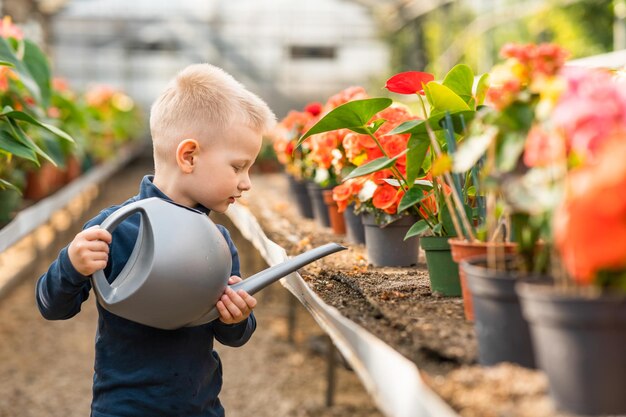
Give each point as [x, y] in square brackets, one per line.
[51, 134]
[397, 306]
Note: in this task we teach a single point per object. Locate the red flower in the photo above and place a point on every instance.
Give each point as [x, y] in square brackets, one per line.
[314, 108]
[410, 82]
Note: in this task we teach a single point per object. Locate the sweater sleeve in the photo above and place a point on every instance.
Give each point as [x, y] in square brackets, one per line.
[61, 290]
[237, 334]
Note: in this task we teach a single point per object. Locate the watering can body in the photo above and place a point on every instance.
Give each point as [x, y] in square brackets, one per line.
[179, 267]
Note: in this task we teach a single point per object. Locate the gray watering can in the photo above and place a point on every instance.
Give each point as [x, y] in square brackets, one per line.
[179, 267]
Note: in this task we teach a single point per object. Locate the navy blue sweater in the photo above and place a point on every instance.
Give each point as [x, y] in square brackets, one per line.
[142, 371]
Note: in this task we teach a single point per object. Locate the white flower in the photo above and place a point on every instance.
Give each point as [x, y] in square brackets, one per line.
[367, 192]
[321, 175]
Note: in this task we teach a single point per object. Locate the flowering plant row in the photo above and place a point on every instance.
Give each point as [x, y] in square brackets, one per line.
[44, 121]
[527, 153]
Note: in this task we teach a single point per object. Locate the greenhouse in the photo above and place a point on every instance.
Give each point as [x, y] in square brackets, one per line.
[343, 208]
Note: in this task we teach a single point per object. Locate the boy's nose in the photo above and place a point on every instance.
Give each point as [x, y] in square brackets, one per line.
[245, 184]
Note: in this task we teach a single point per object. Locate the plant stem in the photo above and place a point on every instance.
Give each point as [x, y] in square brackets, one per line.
[458, 204]
[396, 172]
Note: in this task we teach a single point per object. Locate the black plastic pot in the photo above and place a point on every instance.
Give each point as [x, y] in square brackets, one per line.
[386, 245]
[320, 211]
[580, 343]
[502, 332]
[301, 197]
[355, 230]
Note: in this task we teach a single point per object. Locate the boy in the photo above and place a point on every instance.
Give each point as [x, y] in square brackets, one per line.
[206, 130]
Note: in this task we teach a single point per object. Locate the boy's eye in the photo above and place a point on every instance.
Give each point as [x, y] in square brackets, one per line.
[237, 168]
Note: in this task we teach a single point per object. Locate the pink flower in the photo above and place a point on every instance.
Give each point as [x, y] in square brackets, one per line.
[9, 30]
[590, 110]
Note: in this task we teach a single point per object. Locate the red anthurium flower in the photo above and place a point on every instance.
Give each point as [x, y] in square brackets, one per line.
[314, 108]
[410, 82]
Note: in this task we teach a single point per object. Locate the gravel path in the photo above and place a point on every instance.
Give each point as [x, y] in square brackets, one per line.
[46, 367]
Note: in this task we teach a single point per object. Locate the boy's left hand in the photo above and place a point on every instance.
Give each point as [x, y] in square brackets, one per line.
[235, 307]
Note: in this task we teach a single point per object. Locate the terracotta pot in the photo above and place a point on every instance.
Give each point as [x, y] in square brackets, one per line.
[337, 222]
[40, 182]
[461, 250]
[579, 343]
[72, 168]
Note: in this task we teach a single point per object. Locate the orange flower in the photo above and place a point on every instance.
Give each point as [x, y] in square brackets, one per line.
[379, 177]
[395, 145]
[590, 226]
[322, 146]
[387, 198]
[344, 96]
[341, 195]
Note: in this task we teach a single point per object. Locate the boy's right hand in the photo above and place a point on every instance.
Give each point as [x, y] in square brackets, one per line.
[89, 251]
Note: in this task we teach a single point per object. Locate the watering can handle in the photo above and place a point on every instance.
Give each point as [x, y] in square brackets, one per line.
[109, 224]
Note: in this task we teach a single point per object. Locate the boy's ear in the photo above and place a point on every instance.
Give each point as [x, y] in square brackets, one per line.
[186, 154]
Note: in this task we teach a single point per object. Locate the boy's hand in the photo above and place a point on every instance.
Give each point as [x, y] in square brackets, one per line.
[89, 251]
[235, 307]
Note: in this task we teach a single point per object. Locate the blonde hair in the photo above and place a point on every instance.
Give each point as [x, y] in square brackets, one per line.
[202, 101]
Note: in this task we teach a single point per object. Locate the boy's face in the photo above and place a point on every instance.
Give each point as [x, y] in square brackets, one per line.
[222, 173]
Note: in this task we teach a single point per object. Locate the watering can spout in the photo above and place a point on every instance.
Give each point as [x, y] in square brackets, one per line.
[270, 275]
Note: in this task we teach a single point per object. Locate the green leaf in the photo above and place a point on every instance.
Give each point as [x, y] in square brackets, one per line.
[37, 64]
[372, 166]
[371, 128]
[460, 120]
[20, 135]
[25, 117]
[460, 80]
[7, 55]
[418, 148]
[443, 99]
[351, 115]
[407, 127]
[436, 123]
[446, 220]
[6, 64]
[5, 185]
[9, 144]
[481, 88]
[411, 198]
[417, 229]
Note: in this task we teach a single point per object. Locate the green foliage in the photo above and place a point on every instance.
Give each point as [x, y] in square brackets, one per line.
[354, 115]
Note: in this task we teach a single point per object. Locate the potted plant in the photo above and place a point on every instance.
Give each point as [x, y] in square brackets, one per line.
[384, 155]
[284, 137]
[519, 194]
[448, 107]
[25, 85]
[579, 323]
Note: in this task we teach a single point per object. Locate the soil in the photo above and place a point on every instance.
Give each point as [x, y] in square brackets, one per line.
[46, 367]
[397, 306]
